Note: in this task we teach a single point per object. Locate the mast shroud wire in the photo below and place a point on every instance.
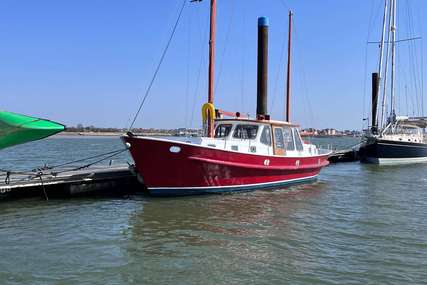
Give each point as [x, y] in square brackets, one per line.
[224, 50]
[147, 92]
[203, 36]
[365, 70]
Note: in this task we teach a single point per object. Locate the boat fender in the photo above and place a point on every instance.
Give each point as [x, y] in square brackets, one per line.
[206, 108]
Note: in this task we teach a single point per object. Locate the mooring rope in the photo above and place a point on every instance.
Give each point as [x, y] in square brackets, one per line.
[88, 158]
[92, 163]
[38, 172]
[44, 189]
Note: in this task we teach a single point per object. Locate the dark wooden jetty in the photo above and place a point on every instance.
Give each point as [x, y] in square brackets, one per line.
[347, 155]
[102, 181]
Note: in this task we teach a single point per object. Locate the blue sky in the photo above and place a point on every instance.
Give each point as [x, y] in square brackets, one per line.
[90, 61]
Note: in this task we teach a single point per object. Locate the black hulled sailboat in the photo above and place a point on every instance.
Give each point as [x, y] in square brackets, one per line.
[395, 139]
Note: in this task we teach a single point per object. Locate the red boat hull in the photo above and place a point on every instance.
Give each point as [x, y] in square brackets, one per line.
[178, 168]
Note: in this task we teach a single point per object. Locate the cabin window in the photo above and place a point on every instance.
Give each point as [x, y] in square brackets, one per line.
[266, 136]
[278, 138]
[298, 141]
[289, 138]
[223, 131]
[245, 132]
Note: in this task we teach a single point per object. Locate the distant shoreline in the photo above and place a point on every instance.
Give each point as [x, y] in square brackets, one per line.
[331, 136]
[118, 134]
[106, 134]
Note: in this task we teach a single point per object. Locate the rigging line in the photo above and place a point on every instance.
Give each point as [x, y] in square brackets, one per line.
[117, 151]
[397, 41]
[365, 83]
[408, 24]
[90, 164]
[406, 99]
[373, 16]
[243, 62]
[39, 173]
[9, 172]
[187, 83]
[413, 105]
[412, 56]
[416, 60]
[285, 4]
[417, 65]
[403, 73]
[422, 60]
[365, 80]
[147, 92]
[203, 39]
[279, 68]
[422, 78]
[372, 13]
[43, 188]
[224, 50]
[303, 77]
[306, 92]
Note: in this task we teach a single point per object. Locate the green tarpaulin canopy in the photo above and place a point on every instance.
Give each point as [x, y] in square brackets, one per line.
[17, 129]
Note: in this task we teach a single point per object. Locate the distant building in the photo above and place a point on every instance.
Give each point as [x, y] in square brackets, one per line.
[310, 132]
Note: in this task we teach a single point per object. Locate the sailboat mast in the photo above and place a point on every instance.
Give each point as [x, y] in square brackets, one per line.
[383, 109]
[288, 82]
[393, 59]
[380, 65]
[211, 65]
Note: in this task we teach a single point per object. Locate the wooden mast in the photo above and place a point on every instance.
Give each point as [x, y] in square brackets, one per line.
[211, 66]
[288, 82]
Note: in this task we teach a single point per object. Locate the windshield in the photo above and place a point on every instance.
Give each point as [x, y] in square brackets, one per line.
[245, 132]
[223, 130]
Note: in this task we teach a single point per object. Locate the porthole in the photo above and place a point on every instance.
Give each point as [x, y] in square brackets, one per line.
[174, 149]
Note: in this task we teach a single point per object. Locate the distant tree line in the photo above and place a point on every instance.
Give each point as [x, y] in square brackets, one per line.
[172, 132]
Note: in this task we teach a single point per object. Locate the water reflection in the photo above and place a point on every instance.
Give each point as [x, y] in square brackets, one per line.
[264, 228]
[359, 224]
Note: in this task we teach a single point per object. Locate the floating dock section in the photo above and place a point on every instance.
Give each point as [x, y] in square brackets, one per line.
[102, 181]
[348, 155]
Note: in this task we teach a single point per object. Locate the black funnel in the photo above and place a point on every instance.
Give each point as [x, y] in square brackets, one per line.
[375, 85]
[262, 79]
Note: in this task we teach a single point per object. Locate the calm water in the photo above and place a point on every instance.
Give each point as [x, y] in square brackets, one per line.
[358, 224]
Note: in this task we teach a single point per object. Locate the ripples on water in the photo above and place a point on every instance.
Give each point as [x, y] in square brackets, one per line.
[358, 224]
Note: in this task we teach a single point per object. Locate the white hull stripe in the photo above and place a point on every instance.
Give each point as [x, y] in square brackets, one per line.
[403, 145]
[237, 186]
[396, 160]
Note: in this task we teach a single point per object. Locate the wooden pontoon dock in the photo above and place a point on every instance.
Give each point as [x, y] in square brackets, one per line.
[102, 181]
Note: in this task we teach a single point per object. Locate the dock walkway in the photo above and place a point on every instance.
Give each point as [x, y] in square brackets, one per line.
[111, 180]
